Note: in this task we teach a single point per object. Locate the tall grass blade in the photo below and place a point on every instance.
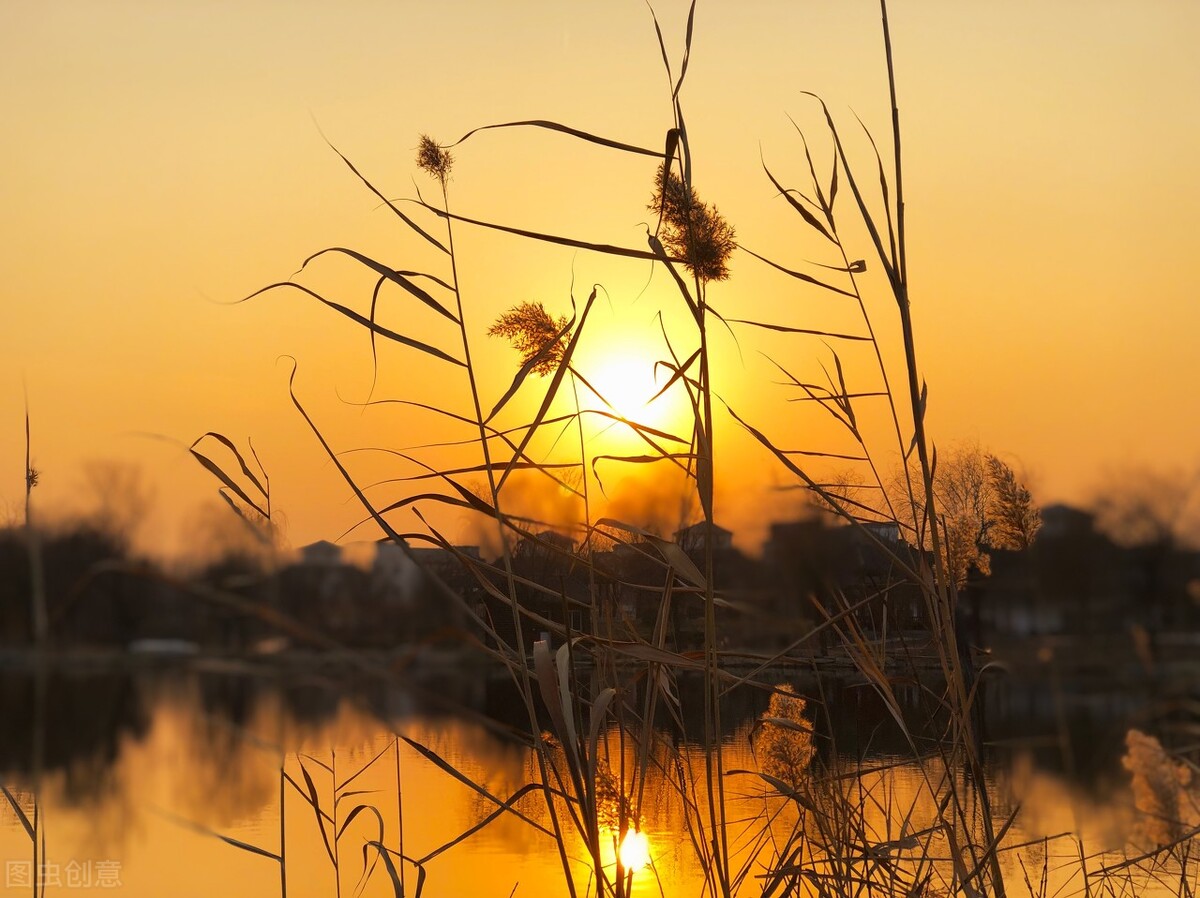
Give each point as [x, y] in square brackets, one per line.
[448, 768]
[362, 320]
[215, 469]
[563, 129]
[547, 351]
[834, 335]
[20, 812]
[687, 51]
[603, 248]
[404, 218]
[799, 275]
[395, 276]
[552, 389]
[393, 874]
[808, 217]
[228, 840]
[505, 807]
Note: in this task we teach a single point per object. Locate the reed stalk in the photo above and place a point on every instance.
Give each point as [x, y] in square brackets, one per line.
[832, 834]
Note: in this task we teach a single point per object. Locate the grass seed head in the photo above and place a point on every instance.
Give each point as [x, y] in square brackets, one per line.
[692, 230]
[532, 330]
[434, 158]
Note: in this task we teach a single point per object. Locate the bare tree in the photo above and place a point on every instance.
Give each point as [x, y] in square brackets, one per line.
[981, 505]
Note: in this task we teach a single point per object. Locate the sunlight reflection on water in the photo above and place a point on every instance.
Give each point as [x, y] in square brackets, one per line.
[192, 775]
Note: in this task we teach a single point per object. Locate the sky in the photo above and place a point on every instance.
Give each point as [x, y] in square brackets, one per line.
[164, 160]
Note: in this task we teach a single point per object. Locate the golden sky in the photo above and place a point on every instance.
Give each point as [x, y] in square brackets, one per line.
[162, 160]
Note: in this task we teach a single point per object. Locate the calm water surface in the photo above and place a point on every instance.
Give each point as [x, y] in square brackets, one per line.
[141, 773]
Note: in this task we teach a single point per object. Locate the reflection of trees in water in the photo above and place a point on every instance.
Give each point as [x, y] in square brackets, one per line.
[84, 720]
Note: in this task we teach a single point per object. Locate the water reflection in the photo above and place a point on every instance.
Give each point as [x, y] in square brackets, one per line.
[150, 770]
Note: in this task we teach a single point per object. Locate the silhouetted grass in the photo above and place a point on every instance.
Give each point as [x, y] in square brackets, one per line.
[594, 705]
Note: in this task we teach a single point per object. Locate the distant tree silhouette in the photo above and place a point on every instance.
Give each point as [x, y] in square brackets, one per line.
[1139, 506]
[118, 498]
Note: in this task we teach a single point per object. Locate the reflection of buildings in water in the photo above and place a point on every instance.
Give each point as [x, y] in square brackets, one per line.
[219, 769]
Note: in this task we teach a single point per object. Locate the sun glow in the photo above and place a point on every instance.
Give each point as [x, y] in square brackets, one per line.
[626, 387]
[635, 851]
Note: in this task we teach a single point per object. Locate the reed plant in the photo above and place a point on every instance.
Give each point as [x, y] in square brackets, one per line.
[603, 703]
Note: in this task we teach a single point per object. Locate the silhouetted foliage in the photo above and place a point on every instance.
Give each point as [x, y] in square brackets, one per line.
[434, 159]
[1015, 519]
[692, 230]
[981, 505]
[533, 331]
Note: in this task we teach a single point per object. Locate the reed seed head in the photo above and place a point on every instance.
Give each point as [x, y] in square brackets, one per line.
[532, 330]
[434, 158]
[692, 230]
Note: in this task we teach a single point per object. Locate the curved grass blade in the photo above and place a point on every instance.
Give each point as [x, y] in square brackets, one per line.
[564, 129]
[446, 767]
[883, 188]
[605, 248]
[864, 211]
[678, 372]
[228, 840]
[430, 497]
[505, 807]
[598, 714]
[839, 503]
[314, 802]
[354, 812]
[662, 44]
[800, 330]
[393, 874]
[799, 275]
[826, 205]
[359, 319]
[481, 469]
[808, 217]
[395, 276]
[528, 464]
[687, 51]
[552, 389]
[673, 457]
[780, 787]
[20, 812]
[404, 218]
[360, 772]
[225, 441]
[560, 715]
[228, 481]
[551, 347]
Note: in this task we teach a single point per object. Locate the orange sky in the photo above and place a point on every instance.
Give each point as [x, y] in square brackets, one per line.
[162, 160]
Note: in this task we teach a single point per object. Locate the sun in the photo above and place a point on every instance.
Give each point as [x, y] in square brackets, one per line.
[624, 384]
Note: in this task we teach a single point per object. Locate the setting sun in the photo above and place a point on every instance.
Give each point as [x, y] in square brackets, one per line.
[627, 386]
[635, 851]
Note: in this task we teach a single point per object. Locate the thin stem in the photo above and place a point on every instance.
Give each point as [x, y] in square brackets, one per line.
[524, 685]
[282, 832]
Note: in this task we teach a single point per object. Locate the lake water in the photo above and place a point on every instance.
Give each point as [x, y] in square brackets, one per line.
[139, 773]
